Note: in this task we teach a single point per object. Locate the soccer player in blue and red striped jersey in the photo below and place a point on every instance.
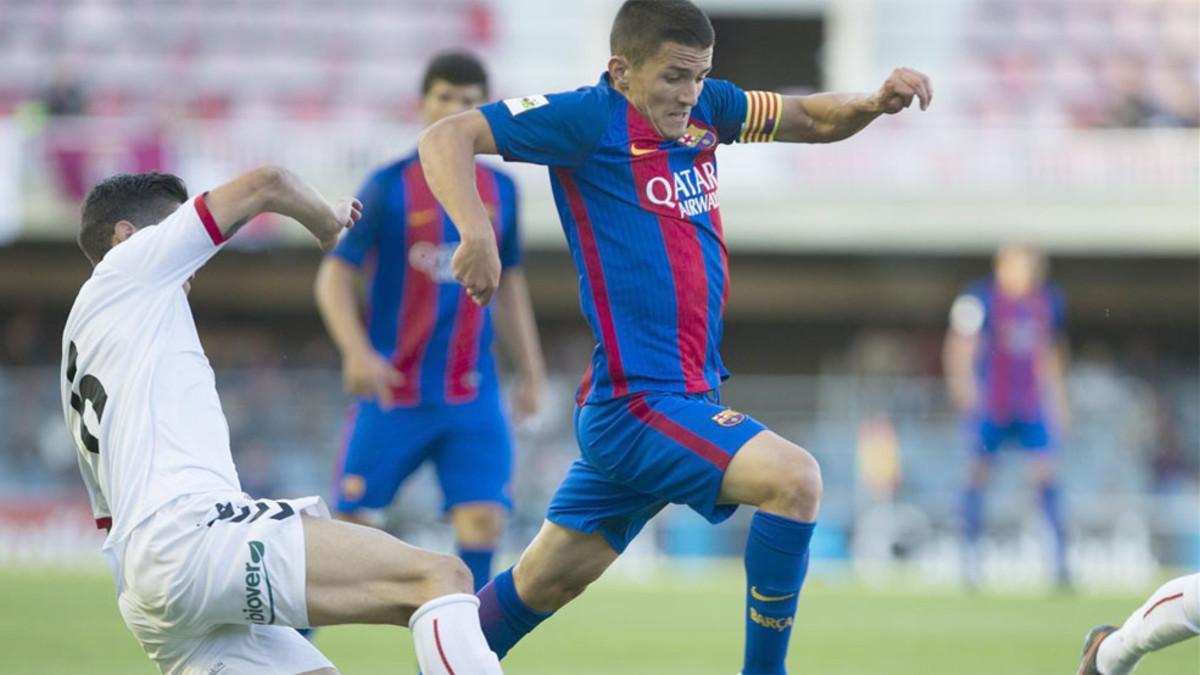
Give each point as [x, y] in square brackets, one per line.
[422, 367]
[1004, 359]
[634, 174]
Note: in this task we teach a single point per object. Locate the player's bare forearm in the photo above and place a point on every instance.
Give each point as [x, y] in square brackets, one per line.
[958, 358]
[272, 189]
[447, 150]
[825, 118]
[337, 300]
[515, 325]
[292, 197]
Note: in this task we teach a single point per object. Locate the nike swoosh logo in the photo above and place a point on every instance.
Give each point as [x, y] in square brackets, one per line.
[769, 598]
[422, 217]
[638, 152]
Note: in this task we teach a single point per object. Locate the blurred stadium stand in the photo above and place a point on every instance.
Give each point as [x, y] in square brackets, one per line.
[1069, 124]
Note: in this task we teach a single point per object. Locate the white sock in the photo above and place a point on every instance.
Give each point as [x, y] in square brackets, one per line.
[449, 640]
[1170, 615]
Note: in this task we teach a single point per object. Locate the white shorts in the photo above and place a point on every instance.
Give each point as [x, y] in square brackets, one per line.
[210, 584]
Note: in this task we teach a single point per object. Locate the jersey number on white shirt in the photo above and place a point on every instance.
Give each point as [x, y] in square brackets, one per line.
[87, 390]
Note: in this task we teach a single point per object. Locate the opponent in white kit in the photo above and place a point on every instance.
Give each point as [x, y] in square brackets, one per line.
[1170, 615]
[210, 580]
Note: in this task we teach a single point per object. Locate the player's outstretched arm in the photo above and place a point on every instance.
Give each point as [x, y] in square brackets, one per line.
[825, 118]
[447, 151]
[272, 189]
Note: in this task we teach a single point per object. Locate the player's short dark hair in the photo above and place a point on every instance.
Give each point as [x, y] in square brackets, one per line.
[642, 26]
[456, 67]
[140, 198]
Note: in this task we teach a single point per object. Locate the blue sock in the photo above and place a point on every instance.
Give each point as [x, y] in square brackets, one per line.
[972, 530]
[479, 561]
[973, 515]
[776, 562]
[1052, 508]
[504, 616]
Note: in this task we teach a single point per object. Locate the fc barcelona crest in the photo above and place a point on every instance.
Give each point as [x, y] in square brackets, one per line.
[729, 418]
[697, 136]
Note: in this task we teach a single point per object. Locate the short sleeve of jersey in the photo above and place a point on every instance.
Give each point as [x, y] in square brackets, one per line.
[361, 239]
[168, 253]
[552, 130]
[743, 116]
[969, 312]
[510, 241]
[727, 104]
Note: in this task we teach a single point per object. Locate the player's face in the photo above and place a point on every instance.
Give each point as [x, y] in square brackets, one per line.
[445, 99]
[1018, 271]
[666, 86]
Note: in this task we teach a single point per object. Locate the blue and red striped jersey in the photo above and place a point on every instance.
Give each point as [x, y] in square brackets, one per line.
[641, 218]
[1015, 335]
[418, 315]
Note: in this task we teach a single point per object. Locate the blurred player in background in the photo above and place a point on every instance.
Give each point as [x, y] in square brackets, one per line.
[209, 579]
[1172, 614]
[422, 367]
[1005, 358]
[633, 170]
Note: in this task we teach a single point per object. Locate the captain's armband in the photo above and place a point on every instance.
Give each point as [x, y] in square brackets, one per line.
[763, 110]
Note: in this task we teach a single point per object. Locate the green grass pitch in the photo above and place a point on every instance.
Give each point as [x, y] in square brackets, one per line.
[64, 623]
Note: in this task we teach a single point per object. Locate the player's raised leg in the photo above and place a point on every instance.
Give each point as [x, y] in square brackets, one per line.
[556, 567]
[357, 574]
[784, 481]
[1172, 614]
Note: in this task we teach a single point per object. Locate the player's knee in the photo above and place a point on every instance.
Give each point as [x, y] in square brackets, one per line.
[446, 574]
[426, 578]
[479, 526]
[978, 475]
[797, 485]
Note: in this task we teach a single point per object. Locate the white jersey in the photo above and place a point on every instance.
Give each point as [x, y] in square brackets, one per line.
[138, 393]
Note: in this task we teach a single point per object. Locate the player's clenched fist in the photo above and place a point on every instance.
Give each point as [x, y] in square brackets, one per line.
[476, 265]
[901, 87]
[346, 213]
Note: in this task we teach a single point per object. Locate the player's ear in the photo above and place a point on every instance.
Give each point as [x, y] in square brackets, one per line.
[122, 231]
[618, 72]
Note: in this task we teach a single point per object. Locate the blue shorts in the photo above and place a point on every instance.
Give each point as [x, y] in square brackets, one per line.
[642, 452]
[988, 436]
[470, 445]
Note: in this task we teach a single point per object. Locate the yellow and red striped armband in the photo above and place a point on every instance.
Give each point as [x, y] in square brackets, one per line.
[763, 109]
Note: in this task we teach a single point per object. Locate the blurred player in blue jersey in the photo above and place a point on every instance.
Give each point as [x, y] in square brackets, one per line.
[422, 367]
[1005, 356]
[634, 174]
